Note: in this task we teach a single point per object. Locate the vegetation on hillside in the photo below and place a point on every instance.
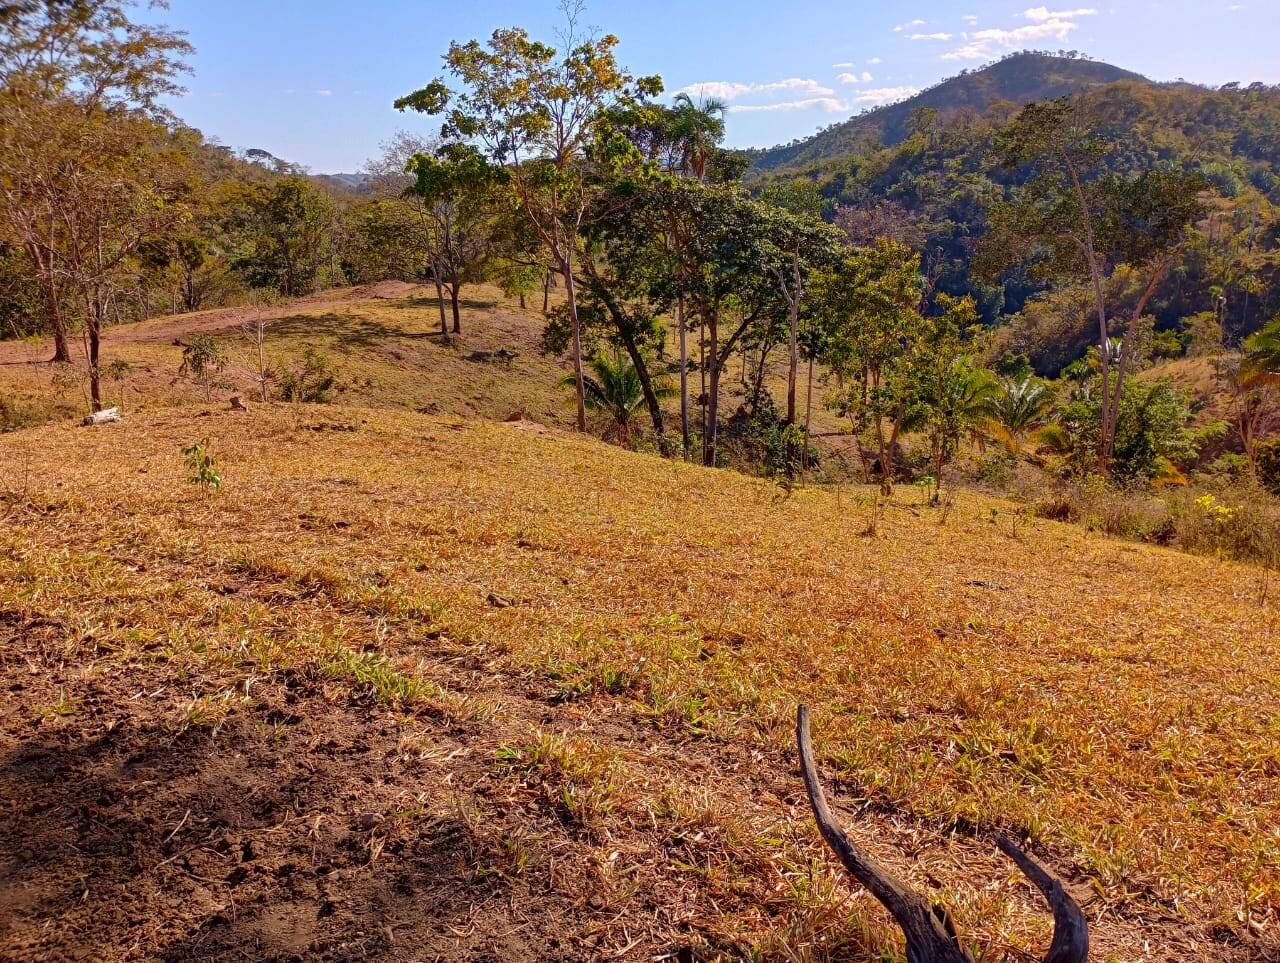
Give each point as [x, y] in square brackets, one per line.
[1074, 303]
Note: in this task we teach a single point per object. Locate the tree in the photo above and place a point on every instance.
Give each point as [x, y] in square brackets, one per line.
[1261, 363]
[1019, 407]
[1074, 216]
[870, 302]
[534, 110]
[79, 82]
[458, 190]
[203, 362]
[695, 130]
[285, 231]
[949, 393]
[795, 246]
[1255, 405]
[957, 399]
[613, 388]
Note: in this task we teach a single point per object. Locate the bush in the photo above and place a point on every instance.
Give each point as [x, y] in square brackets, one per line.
[1238, 522]
[308, 380]
[1268, 458]
[1153, 432]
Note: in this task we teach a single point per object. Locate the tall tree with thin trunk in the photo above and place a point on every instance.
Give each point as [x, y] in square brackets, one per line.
[1073, 216]
[534, 109]
[64, 69]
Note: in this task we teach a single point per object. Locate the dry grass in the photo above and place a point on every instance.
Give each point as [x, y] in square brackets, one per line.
[382, 342]
[598, 655]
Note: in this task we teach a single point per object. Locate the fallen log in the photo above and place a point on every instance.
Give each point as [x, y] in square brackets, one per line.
[102, 417]
[930, 932]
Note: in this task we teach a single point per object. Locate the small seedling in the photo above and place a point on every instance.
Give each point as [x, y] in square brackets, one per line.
[202, 465]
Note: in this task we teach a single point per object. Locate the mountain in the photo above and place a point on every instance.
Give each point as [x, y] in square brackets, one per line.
[352, 182]
[1019, 79]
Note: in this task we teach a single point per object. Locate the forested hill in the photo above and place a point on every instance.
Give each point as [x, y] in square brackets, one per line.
[1019, 79]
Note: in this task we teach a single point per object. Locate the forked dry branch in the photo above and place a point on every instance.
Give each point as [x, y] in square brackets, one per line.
[931, 934]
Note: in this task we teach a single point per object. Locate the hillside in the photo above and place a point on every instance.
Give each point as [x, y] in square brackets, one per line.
[380, 341]
[1019, 79]
[411, 687]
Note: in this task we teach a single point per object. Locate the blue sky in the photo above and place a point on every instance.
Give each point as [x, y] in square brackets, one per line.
[312, 81]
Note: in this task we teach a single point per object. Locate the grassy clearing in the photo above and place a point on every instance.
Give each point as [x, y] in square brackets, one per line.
[613, 646]
[383, 351]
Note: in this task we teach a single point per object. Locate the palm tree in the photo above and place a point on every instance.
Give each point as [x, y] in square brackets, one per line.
[1018, 408]
[613, 388]
[1262, 356]
[695, 129]
[958, 402]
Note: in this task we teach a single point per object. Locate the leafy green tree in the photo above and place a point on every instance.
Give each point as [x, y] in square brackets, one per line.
[1019, 407]
[1073, 216]
[1153, 434]
[285, 228]
[613, 388]
[870, 305]
[459, 191]
[534, 110]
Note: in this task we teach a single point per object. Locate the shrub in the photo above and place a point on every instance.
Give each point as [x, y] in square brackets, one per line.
[203, 362]
[1239, 522]
[310, 379]
[204, 469]
[1268, 459]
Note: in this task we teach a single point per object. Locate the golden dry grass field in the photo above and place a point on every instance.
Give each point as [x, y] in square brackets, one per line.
[381, 341]
[421, 687]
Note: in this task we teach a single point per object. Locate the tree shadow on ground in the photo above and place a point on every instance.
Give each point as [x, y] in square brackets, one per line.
[345, 330]
[273, 837]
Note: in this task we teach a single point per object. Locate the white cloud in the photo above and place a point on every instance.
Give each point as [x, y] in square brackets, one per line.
[931, 36]
[732, 90]
[884, 95]
[828, 104]
[907, 26]
[874, 60]
[863, 78]
[1045, 24]
[1042, 14]
[970, 19]
[841, 66]
[323, 93]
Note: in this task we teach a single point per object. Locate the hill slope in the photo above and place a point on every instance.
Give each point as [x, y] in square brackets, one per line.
[1020, 79]
[416, 688]
[381, 342]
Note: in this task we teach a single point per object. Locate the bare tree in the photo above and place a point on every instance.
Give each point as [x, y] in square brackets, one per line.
[254, 329]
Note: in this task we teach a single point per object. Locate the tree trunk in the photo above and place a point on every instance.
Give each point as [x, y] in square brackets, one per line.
[808, 417]
[546, 292]
[52, 304]
[627, 335]
[1112, 408]
[937, 475]
[453, 304]
[702, 377]
[444, 324]
[95, 345]
[684, 377]
[713, 394]
[793, 343]
[758, 385]
[572, 301]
